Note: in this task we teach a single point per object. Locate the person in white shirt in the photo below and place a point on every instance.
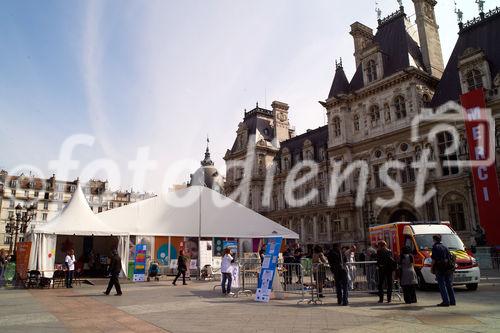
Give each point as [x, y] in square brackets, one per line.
[351, 268]
[226, 271]
[69, 262]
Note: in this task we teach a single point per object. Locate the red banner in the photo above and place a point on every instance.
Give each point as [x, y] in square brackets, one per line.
[484, 176]
[23, 250]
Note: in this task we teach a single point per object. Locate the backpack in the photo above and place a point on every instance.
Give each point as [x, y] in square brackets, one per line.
[451, 262]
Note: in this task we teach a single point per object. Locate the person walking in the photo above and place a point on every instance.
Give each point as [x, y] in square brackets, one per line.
[69, 262]
[319, 260]
[227, 272]
[3, 266]
[288, 261]
[443, 266]
[336, 259]
[386, 266]
[297, 255]
[182, 262]
[115, 269]
[408, 276]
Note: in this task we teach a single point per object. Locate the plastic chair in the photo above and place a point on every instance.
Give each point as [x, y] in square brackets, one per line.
[58, 278]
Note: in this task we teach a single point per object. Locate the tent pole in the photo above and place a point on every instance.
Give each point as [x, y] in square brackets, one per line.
[199, 236]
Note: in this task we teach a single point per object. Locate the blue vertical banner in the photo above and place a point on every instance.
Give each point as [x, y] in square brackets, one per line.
[140, 263]
[268, 269]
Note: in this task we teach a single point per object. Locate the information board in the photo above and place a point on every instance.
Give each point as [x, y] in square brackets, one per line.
[140, 263]
[268, 270]
[205, 253]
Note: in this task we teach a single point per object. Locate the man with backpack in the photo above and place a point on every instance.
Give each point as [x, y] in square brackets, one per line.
[443, 266]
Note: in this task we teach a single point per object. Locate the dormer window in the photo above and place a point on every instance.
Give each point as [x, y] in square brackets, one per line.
[322, 154]
[286, 163]
[474, 79]
[371, 70]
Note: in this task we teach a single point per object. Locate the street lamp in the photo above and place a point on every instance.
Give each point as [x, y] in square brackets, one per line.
[19, 224]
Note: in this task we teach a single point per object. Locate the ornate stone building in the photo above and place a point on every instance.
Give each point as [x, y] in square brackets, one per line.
[399, 73]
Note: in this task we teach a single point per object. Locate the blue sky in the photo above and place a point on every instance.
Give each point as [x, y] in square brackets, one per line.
[164, 74]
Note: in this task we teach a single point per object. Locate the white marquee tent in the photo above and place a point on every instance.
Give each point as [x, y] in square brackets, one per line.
[77, 219]
[183, 212]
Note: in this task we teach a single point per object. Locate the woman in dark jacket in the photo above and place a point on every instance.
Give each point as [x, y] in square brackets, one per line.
[181, 268]
[408, 276]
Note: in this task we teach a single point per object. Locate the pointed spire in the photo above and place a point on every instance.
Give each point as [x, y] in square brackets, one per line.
[340, 84]
[207, 161]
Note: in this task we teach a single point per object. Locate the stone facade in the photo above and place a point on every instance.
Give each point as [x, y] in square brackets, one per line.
[369, 119]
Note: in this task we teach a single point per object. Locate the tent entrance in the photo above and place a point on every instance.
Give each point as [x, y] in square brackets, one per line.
[92, 253]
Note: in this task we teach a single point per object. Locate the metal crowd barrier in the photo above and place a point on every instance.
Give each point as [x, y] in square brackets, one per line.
[362, 277]
[291, 278]
[308, 284]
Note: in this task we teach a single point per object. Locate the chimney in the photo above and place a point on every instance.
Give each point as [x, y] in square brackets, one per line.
[362, 35]
[428, 34]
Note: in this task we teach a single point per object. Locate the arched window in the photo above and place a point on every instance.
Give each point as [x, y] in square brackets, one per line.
[310, 155]
[400, 106]
[371, 70]
[418, 152]
[426, 100]
[375, 115]
[356, 122]
[474, 79]
[286, 163]
[336, 126]
[445, 140]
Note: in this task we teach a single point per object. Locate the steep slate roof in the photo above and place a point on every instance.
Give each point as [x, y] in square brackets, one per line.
[340, 84]
[484, 35]
[257, 125]
[318, 138]
[396, 45]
